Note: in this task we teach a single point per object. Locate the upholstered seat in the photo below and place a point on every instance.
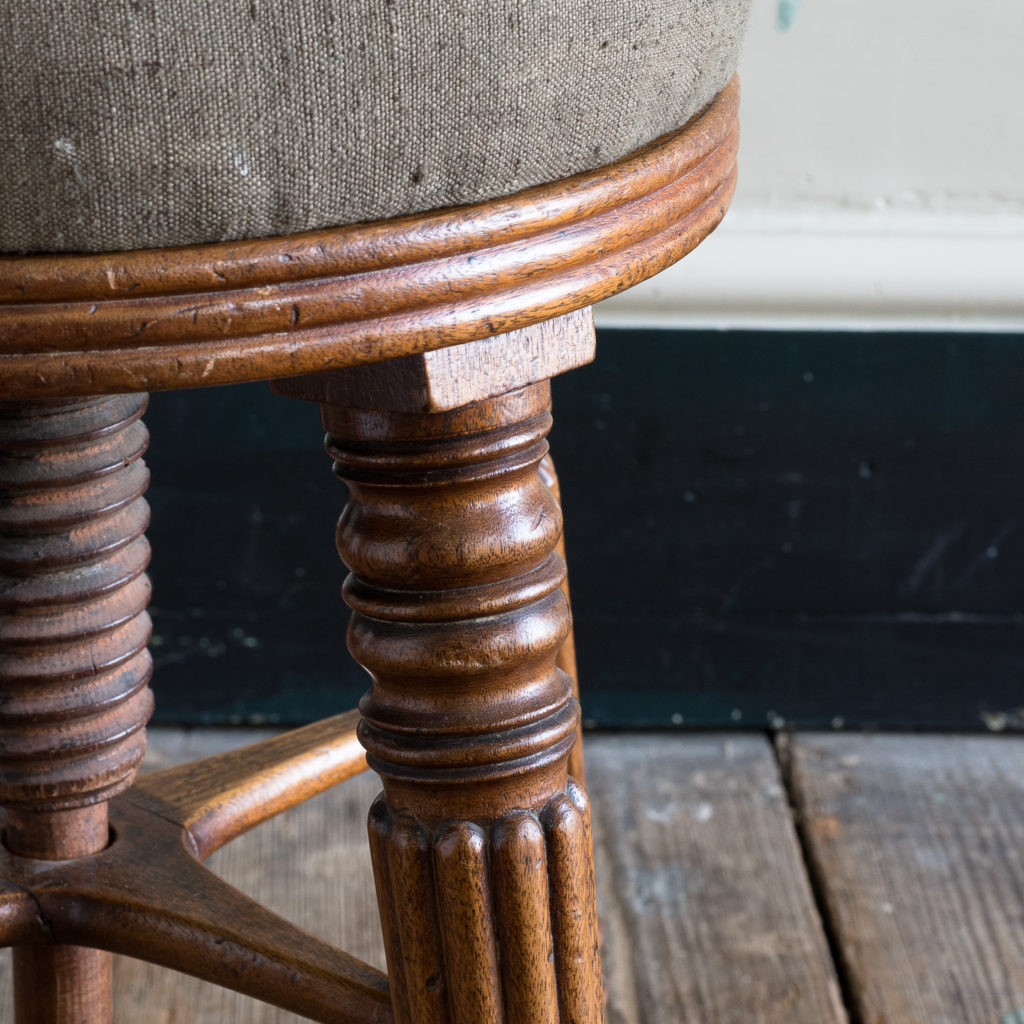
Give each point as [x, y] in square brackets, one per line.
[147, 123]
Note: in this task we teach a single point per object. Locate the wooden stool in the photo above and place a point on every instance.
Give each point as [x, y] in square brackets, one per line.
[428, 341]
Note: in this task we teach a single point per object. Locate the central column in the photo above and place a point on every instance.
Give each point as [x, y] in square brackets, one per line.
[481, 843]
[74, 668]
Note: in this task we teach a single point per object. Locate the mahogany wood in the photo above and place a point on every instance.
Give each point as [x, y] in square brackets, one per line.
[145, 895]
[62, 983]
[219, 798]
[74, 669]
[566, 659]
[480, 842]
[17, 914]
[448, 378]
[282, 307]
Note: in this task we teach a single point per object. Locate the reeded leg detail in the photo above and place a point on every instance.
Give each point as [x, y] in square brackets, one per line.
[481, 843]
[513, 905]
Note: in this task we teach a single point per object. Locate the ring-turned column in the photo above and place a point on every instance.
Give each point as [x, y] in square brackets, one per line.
[481, 843]
[74, 668]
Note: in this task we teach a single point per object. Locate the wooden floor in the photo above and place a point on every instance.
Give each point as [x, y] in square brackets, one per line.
[833, 878]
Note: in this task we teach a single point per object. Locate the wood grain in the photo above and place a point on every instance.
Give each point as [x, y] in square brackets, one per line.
[705, 910]
[138, 887]
[221, 797]
[467, 717]
[566, 821]
[708, 916]
[448, 378]
[310, 866]
[457, 610]
[917, 842]
[60, 984]
[17, 916]
[74, 668]
[283, 307]
[566, 659]
[461, 374]
[522, 907]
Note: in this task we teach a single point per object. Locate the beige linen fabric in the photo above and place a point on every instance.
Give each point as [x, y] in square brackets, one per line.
[137, 123]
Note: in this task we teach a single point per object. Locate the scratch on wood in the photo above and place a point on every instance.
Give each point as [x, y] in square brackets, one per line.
[932, 557]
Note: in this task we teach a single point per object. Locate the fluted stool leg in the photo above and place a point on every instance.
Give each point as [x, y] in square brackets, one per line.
[481, 843]
[74, 669]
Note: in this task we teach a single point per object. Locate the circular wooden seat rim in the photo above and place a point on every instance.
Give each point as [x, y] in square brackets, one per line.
[258, 309]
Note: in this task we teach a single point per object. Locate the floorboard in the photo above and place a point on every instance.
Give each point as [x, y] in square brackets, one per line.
[708, 915]
[918, 845]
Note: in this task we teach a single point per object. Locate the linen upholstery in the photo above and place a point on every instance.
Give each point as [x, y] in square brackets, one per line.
[140, 123]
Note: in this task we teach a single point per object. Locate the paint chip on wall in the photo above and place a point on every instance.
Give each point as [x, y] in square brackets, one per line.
[786, 14]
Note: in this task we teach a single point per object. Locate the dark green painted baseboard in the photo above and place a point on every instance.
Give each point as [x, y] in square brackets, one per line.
[816, 530]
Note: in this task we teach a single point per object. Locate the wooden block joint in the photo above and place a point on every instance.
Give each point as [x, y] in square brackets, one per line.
[447, 378]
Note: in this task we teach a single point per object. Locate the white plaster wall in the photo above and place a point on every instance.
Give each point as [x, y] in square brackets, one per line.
[914, 104]
[881, 175]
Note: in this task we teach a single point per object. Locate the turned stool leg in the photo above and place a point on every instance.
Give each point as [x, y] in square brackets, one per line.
[566, 659]
[74, 669]
[481, 843]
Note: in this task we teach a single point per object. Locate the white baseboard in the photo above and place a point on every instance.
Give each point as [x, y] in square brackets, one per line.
[840, 270]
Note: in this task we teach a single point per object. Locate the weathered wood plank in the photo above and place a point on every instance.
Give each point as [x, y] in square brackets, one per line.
[919, 845]
[708, 915]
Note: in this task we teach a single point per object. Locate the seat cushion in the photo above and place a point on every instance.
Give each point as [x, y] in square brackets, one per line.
[142, 123]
